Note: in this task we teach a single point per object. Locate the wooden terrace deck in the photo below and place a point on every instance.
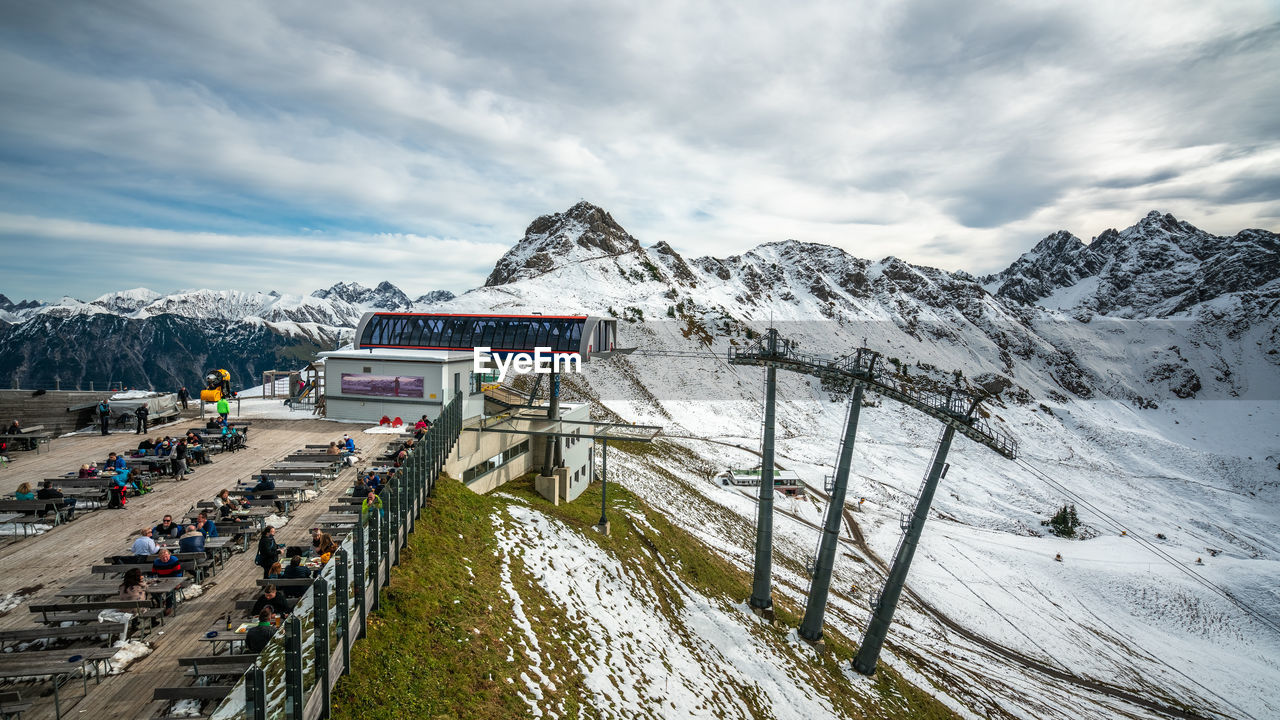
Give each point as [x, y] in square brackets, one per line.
[38, 567]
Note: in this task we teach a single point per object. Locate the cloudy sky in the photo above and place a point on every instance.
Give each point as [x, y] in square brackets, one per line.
[289, 145]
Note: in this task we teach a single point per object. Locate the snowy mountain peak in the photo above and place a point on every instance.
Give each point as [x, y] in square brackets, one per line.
[127, 302]
[10, 306]
[385, 296]
[1157, 267]
[433, 297]
[583, 232]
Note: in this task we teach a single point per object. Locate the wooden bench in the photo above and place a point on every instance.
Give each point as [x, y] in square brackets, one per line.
[30, 438]
[34, 510]
[218, 665]
[197, 563]
[192, 692]
[11, 705]
[9, 638]
[87, 612]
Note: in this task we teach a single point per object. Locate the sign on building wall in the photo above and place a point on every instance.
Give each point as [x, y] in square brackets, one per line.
[403, 386]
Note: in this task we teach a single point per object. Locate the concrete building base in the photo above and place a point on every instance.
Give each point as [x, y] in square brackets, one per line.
[546, 485]
[765, 613]
[603, 528]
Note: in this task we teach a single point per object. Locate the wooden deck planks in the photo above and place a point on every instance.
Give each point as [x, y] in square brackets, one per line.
[53, 560]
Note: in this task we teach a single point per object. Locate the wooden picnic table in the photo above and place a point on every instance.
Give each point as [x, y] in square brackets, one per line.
[59, 668]
[32, 437]
[9, 517]
[220, 638]
[92, 587]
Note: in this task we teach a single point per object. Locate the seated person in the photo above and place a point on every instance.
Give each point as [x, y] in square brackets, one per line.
[85, 471]
[134, 586]
[145, 546]
[348, 445]
[296, 571]
[374, 481]
[370, 501]
[226, 505]
[333, 449]
[167, 528]
[146, 447]
[24, 492]
[14, 429]
[166, 565]
[266, 484]
[117, 463]
[165, 448]
[49, 492]
[196, 449]
[271, 601]
[257, 637]
[422, 424]
[191, 541]
[322, 543]
[205, 525]
[360, 489]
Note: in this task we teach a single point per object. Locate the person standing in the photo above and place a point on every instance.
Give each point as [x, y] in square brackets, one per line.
[104, 415]
[142, 412]
[268, 551]
[224, 408]
[183, 395]
[180, 459]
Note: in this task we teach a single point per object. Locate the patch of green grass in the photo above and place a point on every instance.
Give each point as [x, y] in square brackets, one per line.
[438, 647]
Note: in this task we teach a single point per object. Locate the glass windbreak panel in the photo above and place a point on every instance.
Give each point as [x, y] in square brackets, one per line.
[575, 336]
[271, 660]
[555, 330]
[232, 706]
[305, 611]
[330, 576]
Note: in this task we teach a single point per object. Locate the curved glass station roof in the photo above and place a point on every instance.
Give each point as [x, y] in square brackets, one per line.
[502, 333]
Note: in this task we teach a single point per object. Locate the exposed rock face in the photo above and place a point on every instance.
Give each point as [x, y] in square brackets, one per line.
[1159, 267]
[383, 297]
[583, 232]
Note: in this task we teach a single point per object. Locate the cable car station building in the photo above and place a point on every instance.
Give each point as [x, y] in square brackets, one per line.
[410, 364]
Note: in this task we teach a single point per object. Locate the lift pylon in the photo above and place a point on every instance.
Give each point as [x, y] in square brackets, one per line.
[815, 610]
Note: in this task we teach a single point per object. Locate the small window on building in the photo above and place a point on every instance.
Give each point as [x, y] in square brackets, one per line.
[366, 369]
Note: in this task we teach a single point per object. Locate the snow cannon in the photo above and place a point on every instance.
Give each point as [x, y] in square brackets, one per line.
[217, 385]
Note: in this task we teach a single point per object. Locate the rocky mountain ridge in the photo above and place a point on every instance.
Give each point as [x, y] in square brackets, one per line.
[1159, 267]
[1012, 320]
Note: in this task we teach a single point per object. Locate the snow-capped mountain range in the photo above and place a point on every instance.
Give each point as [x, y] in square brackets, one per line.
[338, 306]
[1142, 370]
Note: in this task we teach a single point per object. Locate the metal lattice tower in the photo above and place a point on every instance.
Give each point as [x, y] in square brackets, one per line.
[954, 407]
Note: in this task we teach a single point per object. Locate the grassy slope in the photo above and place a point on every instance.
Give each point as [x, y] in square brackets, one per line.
[439, 647]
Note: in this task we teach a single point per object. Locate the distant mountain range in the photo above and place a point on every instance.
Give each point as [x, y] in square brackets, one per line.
[1160, 268]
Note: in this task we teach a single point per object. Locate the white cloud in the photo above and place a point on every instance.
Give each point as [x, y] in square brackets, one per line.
[946, 134]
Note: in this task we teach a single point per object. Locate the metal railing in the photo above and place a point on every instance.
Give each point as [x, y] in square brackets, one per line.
[293, 676]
